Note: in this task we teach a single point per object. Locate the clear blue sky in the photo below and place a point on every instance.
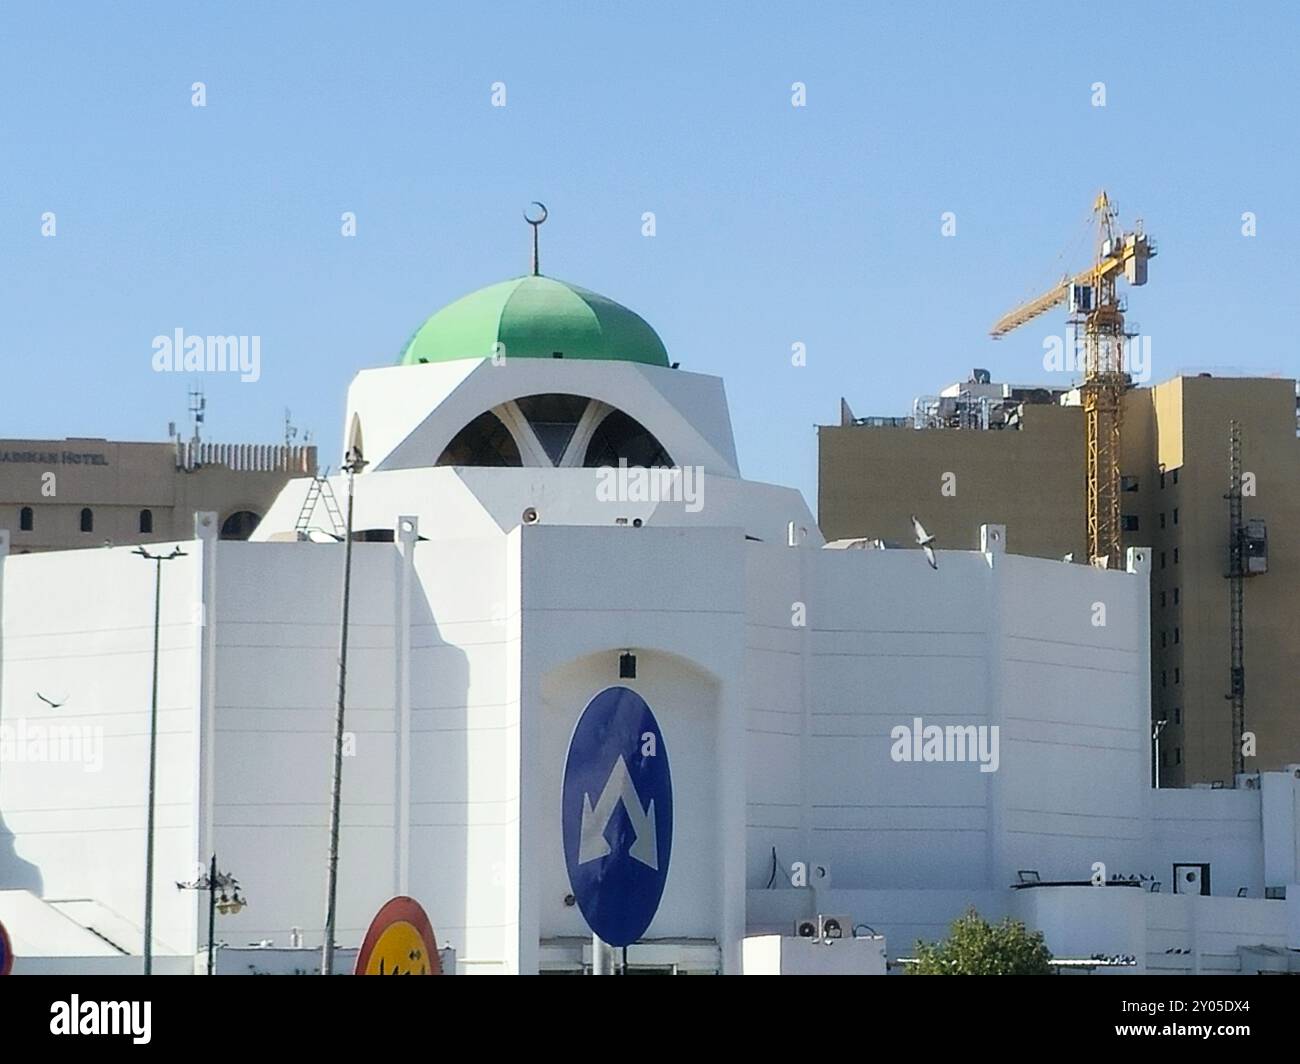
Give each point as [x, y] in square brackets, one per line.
[775, 224]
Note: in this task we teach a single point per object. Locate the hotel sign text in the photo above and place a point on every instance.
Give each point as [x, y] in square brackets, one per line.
[54, 457]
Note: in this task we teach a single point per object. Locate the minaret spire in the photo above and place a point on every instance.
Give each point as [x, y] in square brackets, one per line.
[535, 223]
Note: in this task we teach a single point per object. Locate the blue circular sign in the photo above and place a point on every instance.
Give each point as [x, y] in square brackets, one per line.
[617, 815]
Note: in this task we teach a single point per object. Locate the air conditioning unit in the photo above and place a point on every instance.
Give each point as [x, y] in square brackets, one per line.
[1191, 879]
[806, 929]
[831, 927]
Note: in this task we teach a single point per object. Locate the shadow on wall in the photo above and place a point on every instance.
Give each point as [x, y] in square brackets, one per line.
[15, 873]
[444, 786]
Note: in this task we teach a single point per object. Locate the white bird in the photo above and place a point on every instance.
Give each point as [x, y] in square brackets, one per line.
[924, 541]
[50, 703]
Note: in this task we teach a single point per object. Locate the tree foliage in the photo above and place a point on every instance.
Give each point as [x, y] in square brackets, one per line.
[976, 947]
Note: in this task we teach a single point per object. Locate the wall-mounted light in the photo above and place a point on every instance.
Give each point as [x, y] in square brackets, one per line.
[627, 665]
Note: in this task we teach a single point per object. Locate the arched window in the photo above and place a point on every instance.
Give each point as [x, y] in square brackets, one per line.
[485, 441]
[553, 418]
[239, 525]
[620, 438]
[146, 522]
[87, 520]
[26, 520]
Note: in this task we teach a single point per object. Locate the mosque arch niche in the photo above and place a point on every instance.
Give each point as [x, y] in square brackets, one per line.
[554, 418]
[485, 441]
[240, 524]
[621, 438]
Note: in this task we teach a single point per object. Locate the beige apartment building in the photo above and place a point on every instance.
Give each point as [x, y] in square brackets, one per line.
[64, 494]
[987, 452]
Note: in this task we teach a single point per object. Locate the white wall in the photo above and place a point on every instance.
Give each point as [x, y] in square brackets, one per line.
[78, 625]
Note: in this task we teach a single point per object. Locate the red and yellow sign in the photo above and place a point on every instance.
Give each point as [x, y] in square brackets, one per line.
[399, 942]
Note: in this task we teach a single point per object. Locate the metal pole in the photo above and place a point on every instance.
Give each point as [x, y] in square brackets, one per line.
[153, 773]
[1236, 601]
[354, 464]
[157, 559]
[212, 909]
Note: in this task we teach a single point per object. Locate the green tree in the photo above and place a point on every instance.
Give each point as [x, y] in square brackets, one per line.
[976, 947]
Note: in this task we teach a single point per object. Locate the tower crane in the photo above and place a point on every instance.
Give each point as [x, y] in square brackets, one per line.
[1094, 305]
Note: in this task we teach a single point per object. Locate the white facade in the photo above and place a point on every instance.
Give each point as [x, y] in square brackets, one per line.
[777, 670]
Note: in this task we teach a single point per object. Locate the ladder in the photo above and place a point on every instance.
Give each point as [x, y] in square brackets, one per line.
[318, 490]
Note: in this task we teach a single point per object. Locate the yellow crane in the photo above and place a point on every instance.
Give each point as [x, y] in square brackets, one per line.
[1094, 305]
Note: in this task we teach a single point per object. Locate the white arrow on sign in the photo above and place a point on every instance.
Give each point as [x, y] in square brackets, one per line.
[619, 787]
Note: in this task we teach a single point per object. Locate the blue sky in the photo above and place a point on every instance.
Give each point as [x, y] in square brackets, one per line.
[775, 224]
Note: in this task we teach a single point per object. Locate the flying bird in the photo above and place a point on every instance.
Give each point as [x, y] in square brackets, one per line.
[52, 704]
[924, 541]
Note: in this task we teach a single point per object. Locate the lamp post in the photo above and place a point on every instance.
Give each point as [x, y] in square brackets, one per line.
[213, 881]
[353, 464]
[158, 559]
[1156, 728]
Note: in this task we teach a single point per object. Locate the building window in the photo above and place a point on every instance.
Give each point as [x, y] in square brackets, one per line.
[1162, 479]
[485, 441]
[1162, 600]
[1178, 675]
[554, 419]
[1129, 523]
[1175, 476]
[1175, 515]
[25, 519]
[1175, 596]
[1177, 635]
[1178, 714]
[1162, 559]
[1162, 520]
[87, 520]
[1164, 639]
[1175, 555]
[146, 522]
[239, 525]
[1178, 755]
[619, 438]
[1128, 483]
[1164, 678]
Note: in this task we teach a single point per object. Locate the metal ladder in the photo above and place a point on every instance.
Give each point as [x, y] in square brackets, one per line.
[320, 488]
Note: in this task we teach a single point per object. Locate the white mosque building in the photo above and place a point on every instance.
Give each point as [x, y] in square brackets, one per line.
[512, 559]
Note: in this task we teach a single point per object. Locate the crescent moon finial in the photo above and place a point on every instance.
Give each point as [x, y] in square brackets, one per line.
[535, 223]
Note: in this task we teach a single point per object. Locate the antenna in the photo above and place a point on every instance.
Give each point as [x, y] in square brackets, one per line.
[536, 223]
[198, 408]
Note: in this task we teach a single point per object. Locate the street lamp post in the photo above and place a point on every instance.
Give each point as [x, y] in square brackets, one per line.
[158, 559]
[231, 903]
[353, 464]
[1156, 728]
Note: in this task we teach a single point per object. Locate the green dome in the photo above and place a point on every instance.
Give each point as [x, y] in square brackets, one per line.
[535, 317]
